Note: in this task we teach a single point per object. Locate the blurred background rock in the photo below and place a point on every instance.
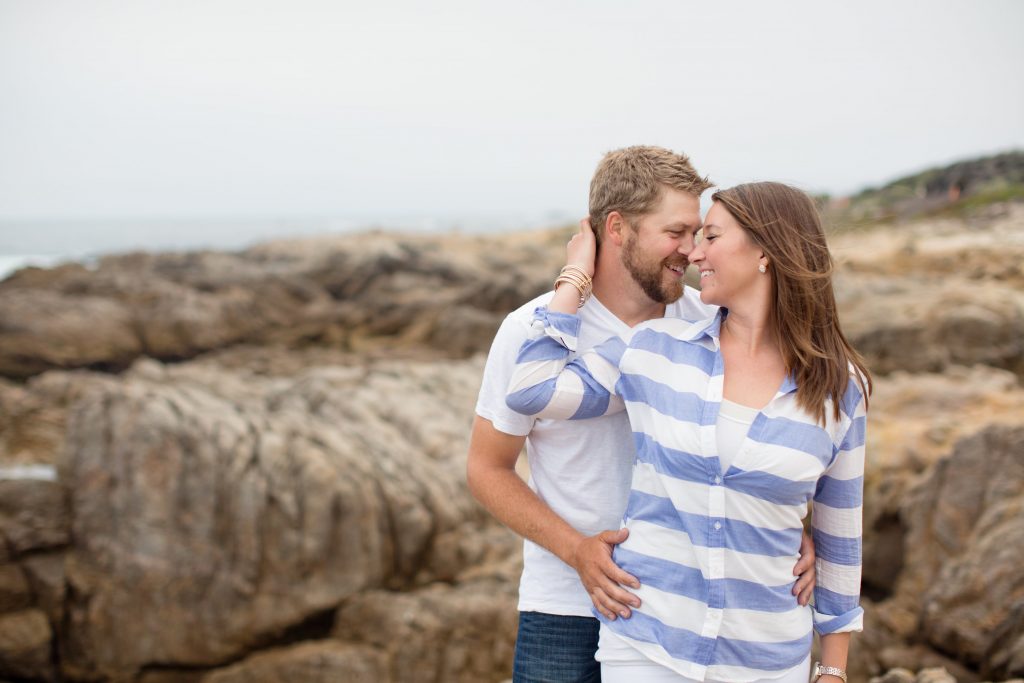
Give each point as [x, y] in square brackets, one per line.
[248, 466]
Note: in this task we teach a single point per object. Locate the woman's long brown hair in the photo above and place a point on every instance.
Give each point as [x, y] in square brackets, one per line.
[784, 223]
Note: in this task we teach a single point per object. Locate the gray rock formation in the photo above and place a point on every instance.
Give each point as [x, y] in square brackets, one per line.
[285, 501]
[918, 327]
[447, 293]
[965, 543]
[25, 645]
[942, 188]
[312, 662]
[220, 511]
[33, 515]
[439, 633]
[958, 588]
[217, 512]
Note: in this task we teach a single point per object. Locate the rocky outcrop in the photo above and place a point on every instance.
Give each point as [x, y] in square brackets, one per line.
[957, 588]
[241, 508]
[446, 293]
[965, 539]
[25, 642]
[438, 634]
[934, 294]
[916, 421]
[219, 512]
[901, 675]
[33, 515]
[313, 662]
[967, 183]
[929, 675]
[970, 176]
[44, 329]
[285, 501]
[382, 293]
[922, 328]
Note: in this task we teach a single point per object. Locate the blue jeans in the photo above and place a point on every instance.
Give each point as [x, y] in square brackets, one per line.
[552, 648]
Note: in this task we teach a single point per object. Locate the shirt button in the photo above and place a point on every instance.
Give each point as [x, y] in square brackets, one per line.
[718, 525]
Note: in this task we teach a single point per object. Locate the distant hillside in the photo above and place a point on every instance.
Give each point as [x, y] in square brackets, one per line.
[960, 186]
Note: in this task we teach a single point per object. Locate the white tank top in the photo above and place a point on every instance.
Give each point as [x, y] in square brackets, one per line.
[731, 429]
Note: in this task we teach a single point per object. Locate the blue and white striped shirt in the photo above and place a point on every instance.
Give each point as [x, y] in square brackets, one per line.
[713, 551]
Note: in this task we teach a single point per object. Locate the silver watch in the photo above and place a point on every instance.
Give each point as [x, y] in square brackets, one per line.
[819, 670]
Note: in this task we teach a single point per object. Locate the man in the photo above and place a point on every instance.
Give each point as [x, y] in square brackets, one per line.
[645, 210]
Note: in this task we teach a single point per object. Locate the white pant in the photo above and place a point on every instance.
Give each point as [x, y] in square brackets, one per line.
[620, 663]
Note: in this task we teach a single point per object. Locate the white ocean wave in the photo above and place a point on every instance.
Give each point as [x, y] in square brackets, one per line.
[34, 472]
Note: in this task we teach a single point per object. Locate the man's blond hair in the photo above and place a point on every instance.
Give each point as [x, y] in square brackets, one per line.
[630, 181]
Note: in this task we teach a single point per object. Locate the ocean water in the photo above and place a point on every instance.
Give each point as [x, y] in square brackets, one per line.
[36, 472]
[48, 243]
[12, 262]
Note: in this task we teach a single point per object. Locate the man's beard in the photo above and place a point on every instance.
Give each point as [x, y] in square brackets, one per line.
[651, 276]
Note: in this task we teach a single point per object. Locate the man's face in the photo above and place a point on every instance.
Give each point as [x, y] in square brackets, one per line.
[656, 247]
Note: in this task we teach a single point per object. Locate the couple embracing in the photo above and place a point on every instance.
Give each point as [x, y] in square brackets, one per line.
[677, 440]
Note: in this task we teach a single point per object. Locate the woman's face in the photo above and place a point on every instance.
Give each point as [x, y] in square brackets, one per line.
[727, 260]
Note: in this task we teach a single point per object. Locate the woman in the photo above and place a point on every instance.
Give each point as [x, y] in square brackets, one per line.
[740, 422]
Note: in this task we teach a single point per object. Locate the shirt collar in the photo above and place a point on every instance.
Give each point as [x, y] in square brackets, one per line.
[788, 385]
[712, 329]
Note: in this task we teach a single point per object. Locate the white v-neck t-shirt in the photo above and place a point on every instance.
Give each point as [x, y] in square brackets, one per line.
[731, 429]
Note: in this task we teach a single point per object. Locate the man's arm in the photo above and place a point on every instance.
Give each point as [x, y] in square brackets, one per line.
[490, 471]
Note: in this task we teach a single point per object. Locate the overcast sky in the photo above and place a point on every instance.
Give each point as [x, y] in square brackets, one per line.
[218, 108]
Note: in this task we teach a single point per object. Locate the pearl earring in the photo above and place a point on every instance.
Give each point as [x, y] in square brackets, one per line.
[762, 268]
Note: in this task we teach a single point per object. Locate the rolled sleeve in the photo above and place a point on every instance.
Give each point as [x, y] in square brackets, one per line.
[545, 385]
[837, 529]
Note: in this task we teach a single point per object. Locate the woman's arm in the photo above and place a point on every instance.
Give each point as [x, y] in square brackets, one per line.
[834, 650]
[543, 384]
[836, 522]
[580, 252]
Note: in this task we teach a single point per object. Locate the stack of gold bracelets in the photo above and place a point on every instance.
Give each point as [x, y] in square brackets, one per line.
[578, 278]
